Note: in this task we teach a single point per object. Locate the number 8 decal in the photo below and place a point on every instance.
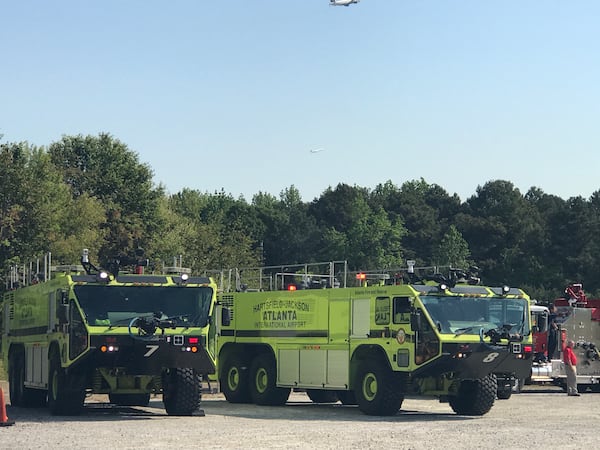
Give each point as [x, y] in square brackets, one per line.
[492, 356]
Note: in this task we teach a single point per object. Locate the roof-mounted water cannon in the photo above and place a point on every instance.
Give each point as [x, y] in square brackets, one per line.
[410, 271]
[87, 265]
[469, 276]
[102, 276]
[442, 282]
[473, 274]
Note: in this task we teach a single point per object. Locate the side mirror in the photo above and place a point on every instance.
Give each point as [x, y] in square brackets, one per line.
[225, 317]
[415, 321]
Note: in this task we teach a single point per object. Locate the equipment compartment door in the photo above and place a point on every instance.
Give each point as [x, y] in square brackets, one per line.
[361, 318]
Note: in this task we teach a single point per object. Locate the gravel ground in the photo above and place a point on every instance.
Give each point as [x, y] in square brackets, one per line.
[540, 417]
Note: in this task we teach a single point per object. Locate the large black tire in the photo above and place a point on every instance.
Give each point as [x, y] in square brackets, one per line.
[378, 391]
[65, 395]
[19, 394]
[322, 396]
[347, 398]
[16, 379]
[182, 391]
[263, 388]
[235, 379]
[129, 399]
[475, 397]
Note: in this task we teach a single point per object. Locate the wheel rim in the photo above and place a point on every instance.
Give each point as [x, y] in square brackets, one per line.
[233, 379]
[261, 380]
[369, 386]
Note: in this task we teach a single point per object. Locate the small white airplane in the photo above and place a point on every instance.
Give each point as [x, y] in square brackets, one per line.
[342, 2]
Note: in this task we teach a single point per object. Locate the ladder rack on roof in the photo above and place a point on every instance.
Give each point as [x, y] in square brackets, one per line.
[35, 271]
[270, 278]
[331, 274]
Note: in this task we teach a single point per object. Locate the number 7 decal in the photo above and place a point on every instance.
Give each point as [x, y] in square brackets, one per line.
[151, 350]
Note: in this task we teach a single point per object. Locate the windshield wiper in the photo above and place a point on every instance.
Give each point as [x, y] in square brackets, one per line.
[460, 331]
[127, 320]
[174, 321]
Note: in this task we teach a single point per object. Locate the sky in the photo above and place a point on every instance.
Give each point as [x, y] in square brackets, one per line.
[238, 95]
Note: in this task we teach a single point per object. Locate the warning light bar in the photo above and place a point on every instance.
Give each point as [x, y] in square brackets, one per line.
[361, 276]
[292, 287]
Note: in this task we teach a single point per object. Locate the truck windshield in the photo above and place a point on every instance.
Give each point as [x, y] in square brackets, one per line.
[118, 305]
[468, 315]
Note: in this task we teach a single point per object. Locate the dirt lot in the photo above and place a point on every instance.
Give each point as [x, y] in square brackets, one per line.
[540, 417]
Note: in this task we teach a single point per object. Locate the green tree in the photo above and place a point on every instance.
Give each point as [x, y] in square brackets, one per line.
[33, 201]
[501, 227]
[104, 168]
[290, 233]
[453, 250]
[547, 249]
[81, 225]
[424, 209]
[575, 232]
[14, 159]
[363, 235]
[217, 230]
[33, 197]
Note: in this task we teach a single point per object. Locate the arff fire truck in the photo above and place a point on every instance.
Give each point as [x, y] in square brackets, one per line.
[577, 318]
[409, 332]
[72, 331]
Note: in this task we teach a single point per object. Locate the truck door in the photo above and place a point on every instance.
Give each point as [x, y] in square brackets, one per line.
[401, 309]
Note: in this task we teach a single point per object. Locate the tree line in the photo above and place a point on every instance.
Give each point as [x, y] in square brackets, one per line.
[94, 192]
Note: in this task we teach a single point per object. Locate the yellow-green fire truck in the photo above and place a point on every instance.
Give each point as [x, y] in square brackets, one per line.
[389, 336]
[77, 330]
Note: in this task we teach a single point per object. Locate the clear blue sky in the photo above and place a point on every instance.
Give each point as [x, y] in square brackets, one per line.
[234, 94]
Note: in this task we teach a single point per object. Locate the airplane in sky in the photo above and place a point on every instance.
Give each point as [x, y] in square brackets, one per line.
[342, 2]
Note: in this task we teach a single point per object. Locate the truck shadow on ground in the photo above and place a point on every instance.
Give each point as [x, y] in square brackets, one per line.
[545, 389]
[309, 411]
[90, 412]
[292, 410]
